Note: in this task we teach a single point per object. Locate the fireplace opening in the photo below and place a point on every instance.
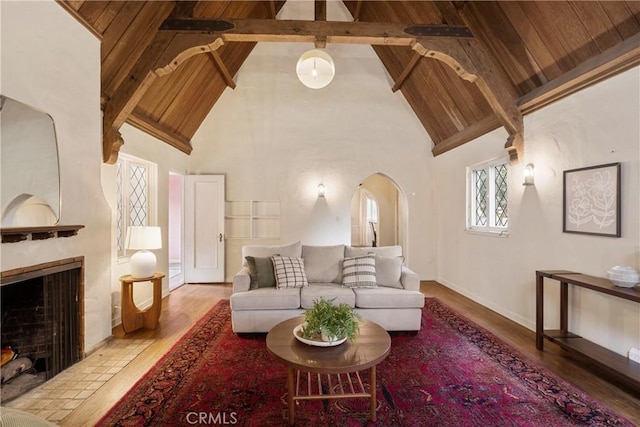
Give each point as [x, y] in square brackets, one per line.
[41, 329]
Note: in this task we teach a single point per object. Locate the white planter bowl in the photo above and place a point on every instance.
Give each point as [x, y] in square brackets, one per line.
[623, 276]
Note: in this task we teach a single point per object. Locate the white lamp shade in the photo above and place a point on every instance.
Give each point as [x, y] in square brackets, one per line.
[315, 69]
[143, 238]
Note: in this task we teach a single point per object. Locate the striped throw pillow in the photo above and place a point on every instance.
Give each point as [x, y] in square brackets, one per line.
[359, 272]
[289, 272]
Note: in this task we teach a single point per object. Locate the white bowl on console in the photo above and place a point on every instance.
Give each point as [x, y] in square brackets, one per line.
[623, 276]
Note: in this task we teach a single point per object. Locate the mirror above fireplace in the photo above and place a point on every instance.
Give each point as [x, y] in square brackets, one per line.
[30, 179]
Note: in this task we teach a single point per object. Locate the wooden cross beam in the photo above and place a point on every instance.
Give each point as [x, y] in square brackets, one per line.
[179, 39]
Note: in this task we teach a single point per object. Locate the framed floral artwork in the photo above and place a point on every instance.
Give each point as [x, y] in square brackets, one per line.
[591, 200]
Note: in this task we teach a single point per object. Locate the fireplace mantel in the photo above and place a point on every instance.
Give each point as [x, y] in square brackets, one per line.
[18, 234]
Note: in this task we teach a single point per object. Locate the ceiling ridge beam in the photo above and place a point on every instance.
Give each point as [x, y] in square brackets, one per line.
[268, 30]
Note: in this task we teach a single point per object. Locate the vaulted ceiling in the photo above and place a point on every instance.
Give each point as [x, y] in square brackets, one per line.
[465, 68]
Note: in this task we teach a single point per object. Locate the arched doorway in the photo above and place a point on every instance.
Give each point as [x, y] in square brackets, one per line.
[378, 213]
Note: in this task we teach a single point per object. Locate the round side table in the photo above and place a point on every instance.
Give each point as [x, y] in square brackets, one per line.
[132, 317]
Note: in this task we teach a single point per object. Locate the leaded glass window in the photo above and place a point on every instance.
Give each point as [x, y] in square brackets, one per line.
[488, 196]
[134, 187]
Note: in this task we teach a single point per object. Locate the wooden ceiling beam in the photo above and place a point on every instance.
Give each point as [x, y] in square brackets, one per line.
[261, 30]
[495, 87]
[614, 60]
[470, 133]
[320, 14]
[127, 96]
[407, 71]
[153, 128]
[226, 75]
[356, 15]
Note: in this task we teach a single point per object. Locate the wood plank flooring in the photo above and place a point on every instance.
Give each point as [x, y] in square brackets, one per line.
[188, 303]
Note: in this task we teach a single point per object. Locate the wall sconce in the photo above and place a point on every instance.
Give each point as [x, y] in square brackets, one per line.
[321, 190]
[528, 175]
[315, 69]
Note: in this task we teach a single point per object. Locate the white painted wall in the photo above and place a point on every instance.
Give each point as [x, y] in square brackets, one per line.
[596, 126]
[167, 159]
[275, 139]
[52, 62]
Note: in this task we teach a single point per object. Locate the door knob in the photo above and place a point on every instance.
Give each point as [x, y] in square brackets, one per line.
[220, 237]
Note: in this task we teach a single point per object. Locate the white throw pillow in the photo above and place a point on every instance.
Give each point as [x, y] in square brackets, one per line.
[359, 272]
[389, 271]
[289, 272]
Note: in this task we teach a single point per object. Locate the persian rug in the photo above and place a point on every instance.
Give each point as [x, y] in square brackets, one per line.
[450, 373]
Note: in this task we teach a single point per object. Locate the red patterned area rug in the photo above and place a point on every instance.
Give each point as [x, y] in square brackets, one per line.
[451, 373]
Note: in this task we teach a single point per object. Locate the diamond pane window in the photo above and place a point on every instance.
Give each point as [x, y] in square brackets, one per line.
[138, 196]
[480, 179]
[501, 196]
[488, 197]
[119, 209]
[135, 184]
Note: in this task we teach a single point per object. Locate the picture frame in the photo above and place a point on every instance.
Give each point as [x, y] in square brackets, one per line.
[591, 200]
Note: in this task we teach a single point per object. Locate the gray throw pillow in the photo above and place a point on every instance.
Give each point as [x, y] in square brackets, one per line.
[389, 271]
[261, 272]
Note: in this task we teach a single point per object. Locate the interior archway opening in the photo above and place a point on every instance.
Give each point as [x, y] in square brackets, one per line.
[378, 213]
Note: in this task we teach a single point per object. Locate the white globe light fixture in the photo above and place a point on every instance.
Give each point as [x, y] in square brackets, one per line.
[315, 69]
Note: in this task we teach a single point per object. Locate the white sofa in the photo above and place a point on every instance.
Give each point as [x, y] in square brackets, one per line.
[395, 302]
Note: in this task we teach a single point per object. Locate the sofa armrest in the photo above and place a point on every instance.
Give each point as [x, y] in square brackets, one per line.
[409, 279]
[242, 280]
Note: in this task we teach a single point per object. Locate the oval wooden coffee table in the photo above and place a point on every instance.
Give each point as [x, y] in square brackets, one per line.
[336, 370]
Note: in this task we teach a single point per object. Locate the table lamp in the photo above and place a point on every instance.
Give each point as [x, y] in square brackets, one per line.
[142, 239]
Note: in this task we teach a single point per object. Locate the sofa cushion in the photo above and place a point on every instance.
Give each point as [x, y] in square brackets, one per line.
[289, 272]
[329, 291]
[383, 297]
[350, 251]
[261, 272]
[263, 251]
[359, 272]
[266, 299]
[388, 271]
[323, 263]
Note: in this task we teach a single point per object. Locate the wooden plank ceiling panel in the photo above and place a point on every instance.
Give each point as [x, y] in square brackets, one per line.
[627, 22]
[133, 42]
[502, 40]
[539, 56]
[597, 24]
[443, 102]
[107, 16]
[575, 39]
[197, 84]
[91, 10]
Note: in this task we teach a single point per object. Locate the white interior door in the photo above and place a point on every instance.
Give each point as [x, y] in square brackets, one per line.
[204, 229]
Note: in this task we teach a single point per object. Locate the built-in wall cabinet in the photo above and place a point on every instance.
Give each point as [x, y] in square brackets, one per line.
[252, 219]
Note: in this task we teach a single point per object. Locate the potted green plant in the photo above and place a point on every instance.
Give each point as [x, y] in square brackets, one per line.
[329, 322]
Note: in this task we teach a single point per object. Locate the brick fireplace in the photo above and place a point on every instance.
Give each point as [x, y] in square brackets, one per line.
[42, 310]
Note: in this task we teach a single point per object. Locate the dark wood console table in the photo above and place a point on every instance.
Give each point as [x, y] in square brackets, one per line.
[625, 369]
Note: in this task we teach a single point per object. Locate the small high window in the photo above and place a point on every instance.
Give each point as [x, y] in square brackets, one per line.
[487, 197]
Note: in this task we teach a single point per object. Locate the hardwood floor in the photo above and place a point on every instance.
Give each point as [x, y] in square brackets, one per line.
[188, 303]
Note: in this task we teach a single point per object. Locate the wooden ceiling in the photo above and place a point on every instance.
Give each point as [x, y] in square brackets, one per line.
[522, 55]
